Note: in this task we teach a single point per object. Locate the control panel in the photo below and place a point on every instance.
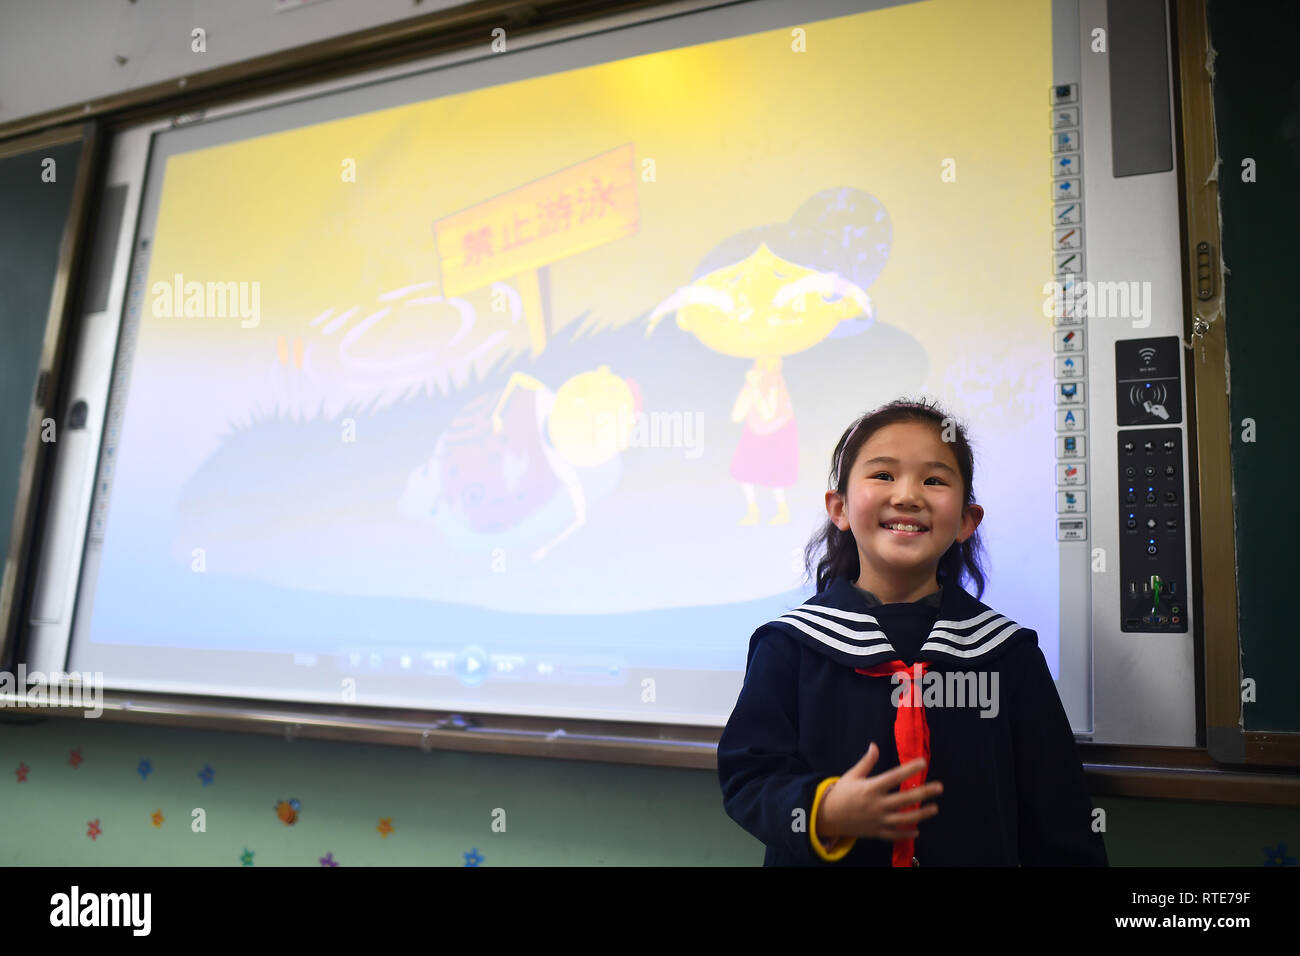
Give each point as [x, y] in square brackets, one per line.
[1152, 486]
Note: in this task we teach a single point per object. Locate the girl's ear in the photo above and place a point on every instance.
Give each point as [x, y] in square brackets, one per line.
[971, 517]
[835, 509]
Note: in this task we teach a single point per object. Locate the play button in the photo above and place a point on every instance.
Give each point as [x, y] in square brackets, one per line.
[471, 666]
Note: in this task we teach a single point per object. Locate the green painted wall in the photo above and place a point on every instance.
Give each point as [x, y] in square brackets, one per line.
[557, 812]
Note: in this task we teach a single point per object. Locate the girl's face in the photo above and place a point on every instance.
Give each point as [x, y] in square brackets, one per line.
[903, 472]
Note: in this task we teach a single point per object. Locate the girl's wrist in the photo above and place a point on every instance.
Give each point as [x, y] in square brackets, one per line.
[825, 822]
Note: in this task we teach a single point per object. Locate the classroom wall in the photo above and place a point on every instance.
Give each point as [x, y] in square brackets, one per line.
[441, 806]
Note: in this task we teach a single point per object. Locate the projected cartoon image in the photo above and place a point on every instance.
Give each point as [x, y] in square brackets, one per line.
[565, 393]
[522, 469]
[776, 291]
[391, 454]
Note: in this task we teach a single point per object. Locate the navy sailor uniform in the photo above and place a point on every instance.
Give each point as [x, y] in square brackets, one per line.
[1014, 790]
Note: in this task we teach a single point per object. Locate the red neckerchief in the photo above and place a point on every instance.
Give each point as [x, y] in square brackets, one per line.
[911, 735]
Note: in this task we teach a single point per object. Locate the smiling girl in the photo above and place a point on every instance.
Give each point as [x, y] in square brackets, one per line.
[894, 685]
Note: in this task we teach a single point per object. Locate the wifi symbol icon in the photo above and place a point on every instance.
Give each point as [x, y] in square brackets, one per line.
[1147, 355]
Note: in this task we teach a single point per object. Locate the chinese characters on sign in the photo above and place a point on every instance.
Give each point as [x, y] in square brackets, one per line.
[578, 208]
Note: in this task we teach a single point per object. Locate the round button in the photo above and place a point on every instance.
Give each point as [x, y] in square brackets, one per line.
[472, 666]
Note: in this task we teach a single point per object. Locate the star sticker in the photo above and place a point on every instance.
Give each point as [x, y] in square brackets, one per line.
[75, 758]
[472, 858]
[22, 772]
[385, 826]
[287, 811]
[206, 774]
[94, 830]
[144, 769]
[246, 857]
[1277, 856]
[328, 860]
[158, 818]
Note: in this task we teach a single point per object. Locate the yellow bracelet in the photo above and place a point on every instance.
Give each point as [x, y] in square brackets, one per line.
[839, 848]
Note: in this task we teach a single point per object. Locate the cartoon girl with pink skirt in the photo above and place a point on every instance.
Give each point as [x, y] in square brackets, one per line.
[768, 453]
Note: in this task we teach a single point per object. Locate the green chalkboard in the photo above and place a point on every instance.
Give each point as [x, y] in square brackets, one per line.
[1257, 117]
[34, 216]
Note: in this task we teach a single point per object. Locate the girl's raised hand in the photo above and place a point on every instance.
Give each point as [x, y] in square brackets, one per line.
[858, 805]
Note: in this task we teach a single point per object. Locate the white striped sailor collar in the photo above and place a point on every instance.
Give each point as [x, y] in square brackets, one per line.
[838, 623]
